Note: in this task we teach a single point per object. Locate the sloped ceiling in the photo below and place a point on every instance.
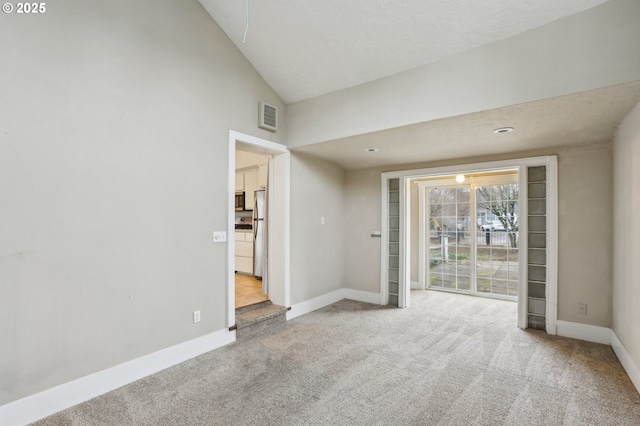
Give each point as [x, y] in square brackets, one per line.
[305, 48]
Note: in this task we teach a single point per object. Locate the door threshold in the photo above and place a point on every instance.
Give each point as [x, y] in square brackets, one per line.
[248, 305]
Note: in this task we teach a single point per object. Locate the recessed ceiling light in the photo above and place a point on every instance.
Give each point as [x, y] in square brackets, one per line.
[372, 149]
[503, 130]
[460, 178]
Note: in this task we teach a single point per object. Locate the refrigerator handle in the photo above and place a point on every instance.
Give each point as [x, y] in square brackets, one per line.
[255, 216]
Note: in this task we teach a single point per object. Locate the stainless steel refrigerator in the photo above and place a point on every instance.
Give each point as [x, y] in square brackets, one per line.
[258, 233]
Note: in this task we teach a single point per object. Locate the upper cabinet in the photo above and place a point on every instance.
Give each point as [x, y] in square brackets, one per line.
[263, 171]
[251, 175]
[250, 186]
[239, 181]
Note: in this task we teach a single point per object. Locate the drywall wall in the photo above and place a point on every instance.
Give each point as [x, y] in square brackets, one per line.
[584, 185]
[363, 210]
[113, 151]
[585, 242]
[626, 250]
[317, 250]
[589, 50]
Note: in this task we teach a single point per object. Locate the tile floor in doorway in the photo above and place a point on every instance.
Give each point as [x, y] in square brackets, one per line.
[248, 291]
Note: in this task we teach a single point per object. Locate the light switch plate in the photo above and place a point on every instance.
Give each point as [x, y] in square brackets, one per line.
[219, 236]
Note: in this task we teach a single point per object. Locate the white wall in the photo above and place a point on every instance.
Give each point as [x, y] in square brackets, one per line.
[114, 127]
[626, 250]
[585, 262]
[592, 49]
[317, 251]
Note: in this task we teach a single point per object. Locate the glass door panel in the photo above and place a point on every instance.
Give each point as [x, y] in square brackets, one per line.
[449, 238]
[497, 248]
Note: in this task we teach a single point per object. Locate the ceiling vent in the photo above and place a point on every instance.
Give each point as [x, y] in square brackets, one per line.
[268, 117]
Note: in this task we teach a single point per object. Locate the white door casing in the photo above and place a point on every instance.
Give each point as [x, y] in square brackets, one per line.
[279, 207]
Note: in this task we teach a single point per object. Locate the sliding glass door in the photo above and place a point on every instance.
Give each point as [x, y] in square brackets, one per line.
[470, 240]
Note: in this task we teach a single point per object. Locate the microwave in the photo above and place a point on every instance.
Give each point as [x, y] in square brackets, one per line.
[239, 200]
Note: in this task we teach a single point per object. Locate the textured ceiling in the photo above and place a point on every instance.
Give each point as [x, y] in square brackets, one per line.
[307, 48]
[577, 119]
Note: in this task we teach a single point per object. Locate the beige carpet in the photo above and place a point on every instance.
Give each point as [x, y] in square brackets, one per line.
[448, 360]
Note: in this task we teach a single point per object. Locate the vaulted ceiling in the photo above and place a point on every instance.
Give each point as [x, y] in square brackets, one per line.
[306, 48]
[361, 74]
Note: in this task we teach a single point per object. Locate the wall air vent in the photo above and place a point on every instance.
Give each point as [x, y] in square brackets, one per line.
[268, 117]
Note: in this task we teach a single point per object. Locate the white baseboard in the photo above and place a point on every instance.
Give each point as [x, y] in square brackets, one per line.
[315, 304]
[362, 296]
[552, 329]
[43, 404]
[633, 371]
[415, 285]
[589, 333]
[329, 298]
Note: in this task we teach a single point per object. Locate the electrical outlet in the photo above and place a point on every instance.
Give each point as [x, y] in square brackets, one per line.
[322, 220]
[219, 236]
[196, 316]
[582, 308]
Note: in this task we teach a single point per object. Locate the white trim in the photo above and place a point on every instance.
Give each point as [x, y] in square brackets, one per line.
[314, 304]
[469, 168]
[552, 244]
[633, 371]
[523, 255]
[51, 401]
[423, 252]
[320, 302]
[384, 242]
[404, 244]
[362, 296]
[231, 228]
[287, 228]
[473, 180]
[280, 159]
[586, 332]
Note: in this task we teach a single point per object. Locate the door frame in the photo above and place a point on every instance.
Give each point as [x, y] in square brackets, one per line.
[423, 215]
[279, 218]
[404, 176]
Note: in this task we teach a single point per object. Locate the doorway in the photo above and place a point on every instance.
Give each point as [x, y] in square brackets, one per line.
[468, 233]
[276, 265]
[251, 224]
[536, 233]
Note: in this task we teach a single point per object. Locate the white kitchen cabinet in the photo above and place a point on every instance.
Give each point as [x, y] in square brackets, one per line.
[244, 252]
[263, 171]
[250, 186]
[239, 181]
[244, 265]
[244, 249]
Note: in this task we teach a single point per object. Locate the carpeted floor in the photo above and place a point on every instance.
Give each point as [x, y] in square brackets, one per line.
[448, 360]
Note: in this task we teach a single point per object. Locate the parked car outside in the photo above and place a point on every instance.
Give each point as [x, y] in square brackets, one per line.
[495, 225]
